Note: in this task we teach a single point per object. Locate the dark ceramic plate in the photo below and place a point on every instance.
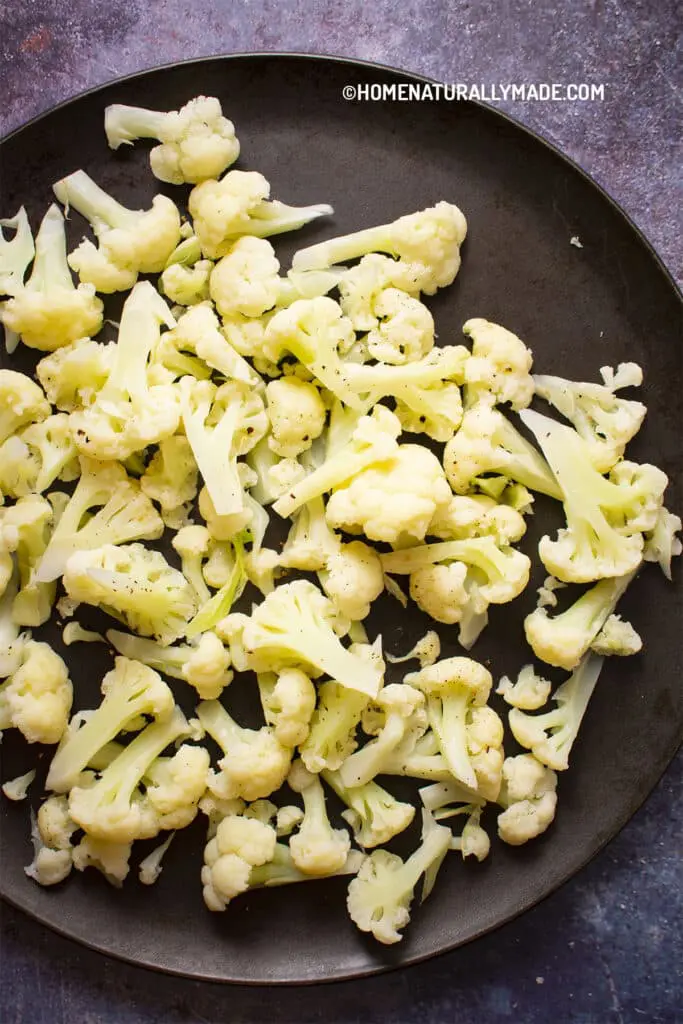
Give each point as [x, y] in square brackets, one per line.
[579, 309]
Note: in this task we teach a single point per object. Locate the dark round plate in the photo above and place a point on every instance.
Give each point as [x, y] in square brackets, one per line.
[578, 308]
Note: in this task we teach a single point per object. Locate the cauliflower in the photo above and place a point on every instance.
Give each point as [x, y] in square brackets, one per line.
[113, 807]
[529, 798]
[171, 476]
[488, 443]
[427, 243]
[435, 410]
[498, 370]
[24, 530]
[617, 637]
[602, 537]
[288, 701]
[198, 331]
[380, 895]
[151, 866]
[469, 733]
[296, 413]
[503, 571]
[427, 650]
[21, 402]
[606, 422]
[129, 690]
[403, 709]
[529, 692]
[49, 311]
[137, 583]
[296, 625]
[352, 579]
[204, 665]
[332, 735]
[405, 329]
[109, 858]
[125, 514]
[218, 606]
[317, 333]
[245, 281]
[192, 543]
[32, 460]
[129, 413]
[317, 848]
[131, 242]
[477, 515]
[440, 591]
[186, 286]
[237, 205]
[550, 736]
[310, 542]
[51, 835]
[255, 763]
[661, 542]
[239, 845]
[197, 142]
[394, 499]
[373, 440]
[220, 424]
[73, 374]
[17, 789]
[15, 254]
[36, 699]
[374, 814]
[362, 286]
[564, 639]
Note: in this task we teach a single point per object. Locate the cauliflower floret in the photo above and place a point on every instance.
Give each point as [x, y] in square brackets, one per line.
[32, 460]
[405, 331]
[529, 692]
[110, 858]
[15, 254]
[528, 794]
[175, 785]
[361, 287]
[380, 895]
[439, 590]
[21, 402]
[171, 476]
[499, 368]
[240, 844]
[617, 637]
[476, 515]
[131, 242]
[427, 243]
[187, 286]
[245, 281]
[353, 579]
[37, 698]
[297, 415]
[317, 848]
[392, 500]
[73, 374]
[255, 763]
[49, 311]
[197, 142]
[435, 410]
[288, 702]
[153, 598]
[237, 205]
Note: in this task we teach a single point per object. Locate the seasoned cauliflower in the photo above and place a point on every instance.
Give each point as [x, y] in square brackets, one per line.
[405, 331]
[245, 281]
[197, 142]
[392, 500]
[36, 699]
[297, 415]
[21, 402]
[353, 579]
[499, 368]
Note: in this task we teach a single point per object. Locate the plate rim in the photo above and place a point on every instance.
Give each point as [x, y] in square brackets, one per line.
[668, 756]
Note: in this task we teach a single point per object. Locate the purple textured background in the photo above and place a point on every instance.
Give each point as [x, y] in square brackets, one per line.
[608, 946]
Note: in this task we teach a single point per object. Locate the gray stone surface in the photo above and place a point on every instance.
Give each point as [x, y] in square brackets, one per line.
[608, 946]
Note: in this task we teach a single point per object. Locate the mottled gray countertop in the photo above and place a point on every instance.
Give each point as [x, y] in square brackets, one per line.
[608, 946]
